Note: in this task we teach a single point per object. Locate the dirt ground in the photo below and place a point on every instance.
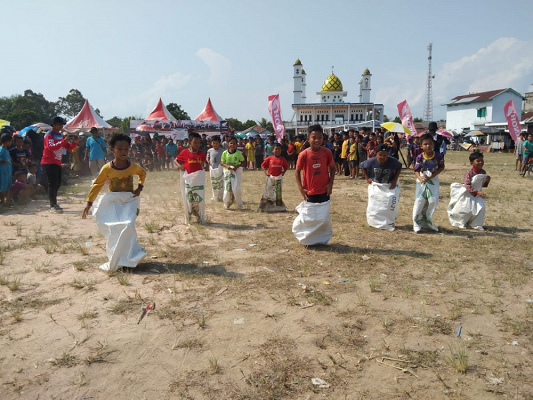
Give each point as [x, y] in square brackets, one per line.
[245, 312]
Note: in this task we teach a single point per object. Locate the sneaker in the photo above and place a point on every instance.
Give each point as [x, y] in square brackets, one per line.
[56, 209]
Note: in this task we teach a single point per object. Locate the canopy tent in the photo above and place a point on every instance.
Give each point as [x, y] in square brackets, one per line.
[86, 119]
[209, 113]
[160, 113]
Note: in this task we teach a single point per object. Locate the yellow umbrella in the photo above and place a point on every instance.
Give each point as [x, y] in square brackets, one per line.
[395, 127]
[3, 122]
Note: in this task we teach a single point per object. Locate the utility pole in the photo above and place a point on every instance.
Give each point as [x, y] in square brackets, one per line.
[428, 109]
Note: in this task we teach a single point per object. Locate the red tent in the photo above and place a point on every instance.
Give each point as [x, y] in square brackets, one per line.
[209, 113]
[160, 113]
[86, 119]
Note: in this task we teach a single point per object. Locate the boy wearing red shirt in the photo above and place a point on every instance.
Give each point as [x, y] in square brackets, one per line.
[193, 162]
[54, 146]
[318, 169]
[277, 166]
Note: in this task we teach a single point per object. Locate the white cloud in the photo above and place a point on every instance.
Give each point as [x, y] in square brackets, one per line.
[219, 66]
[506, 62]
[165, 87]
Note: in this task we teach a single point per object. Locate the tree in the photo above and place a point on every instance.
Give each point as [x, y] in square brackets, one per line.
[21, 118]
[125, 124]
[235, 124]
[115, 121]
[177, 111]
[27, 109]
[418, 119]
[71, 104]
[264, 123]
[249, 124]
[397, 120]
[385, 118]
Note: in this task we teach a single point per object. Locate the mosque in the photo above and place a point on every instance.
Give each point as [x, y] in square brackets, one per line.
[331, 111]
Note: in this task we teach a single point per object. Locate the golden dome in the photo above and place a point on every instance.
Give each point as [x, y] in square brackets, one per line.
[298, 62]
[332, 84]
[367, 72]
[303, 72]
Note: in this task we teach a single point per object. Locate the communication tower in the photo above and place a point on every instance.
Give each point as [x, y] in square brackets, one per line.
[428, 108]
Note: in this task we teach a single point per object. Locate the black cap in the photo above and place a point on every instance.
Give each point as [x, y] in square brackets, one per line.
[382, 147]
[432, 126]
[58, 120]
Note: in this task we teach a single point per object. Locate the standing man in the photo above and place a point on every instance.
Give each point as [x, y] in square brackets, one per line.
[54, 143]
[519, 152]
[95, 152]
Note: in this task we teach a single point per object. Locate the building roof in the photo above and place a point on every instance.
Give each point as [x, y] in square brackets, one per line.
[257, 129]
[332, 84]
[477, 97]
[366, 72]
[526, 116]
[298, 62]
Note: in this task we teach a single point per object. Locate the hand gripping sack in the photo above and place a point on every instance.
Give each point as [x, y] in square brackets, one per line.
[115, 214]
[464, 209]
[383, 206]
[313, 223]
[426, 201]
[217, 182]
[272, 196]
[232, 187]
[193, 194]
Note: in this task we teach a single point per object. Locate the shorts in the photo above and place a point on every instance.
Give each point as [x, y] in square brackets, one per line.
[353, 163]
[318, 198]
[519, 156]
[338, 159]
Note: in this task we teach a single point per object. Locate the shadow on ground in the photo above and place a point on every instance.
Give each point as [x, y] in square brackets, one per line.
[343, 249]
[160, 268]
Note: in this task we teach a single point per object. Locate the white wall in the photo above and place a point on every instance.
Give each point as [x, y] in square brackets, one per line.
[499, 101]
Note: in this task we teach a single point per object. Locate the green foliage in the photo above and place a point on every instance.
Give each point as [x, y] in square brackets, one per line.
[249, 124]
[115, 121]
[71, 104]
[385, 118]
[235, 124]
[397, 120]
[177, 111]
[264, 123]
[27, 109]
[418, 119]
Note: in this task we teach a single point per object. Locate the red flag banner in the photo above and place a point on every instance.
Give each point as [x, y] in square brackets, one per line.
[513, 122]
[274, 109]
[406, 117]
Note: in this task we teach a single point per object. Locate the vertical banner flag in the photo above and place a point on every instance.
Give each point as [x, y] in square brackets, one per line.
[406, 117]
[275, 112]
[513, 122]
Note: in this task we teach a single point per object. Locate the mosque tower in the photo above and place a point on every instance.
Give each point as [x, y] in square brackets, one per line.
[365, 86]
[299, 82]
[304, 85]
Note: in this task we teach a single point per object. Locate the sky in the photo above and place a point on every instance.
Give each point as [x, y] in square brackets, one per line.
[124, 55]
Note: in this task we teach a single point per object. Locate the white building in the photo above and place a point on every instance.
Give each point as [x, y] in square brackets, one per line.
[481, 110]
[331, 111]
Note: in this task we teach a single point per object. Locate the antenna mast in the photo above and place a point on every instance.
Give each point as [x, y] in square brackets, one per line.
[428, 109]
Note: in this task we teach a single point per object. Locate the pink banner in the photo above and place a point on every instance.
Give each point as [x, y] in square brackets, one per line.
[406, 117]
[513, 122]
[275, 112]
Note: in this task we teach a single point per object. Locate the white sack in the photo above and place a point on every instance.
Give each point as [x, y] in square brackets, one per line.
[193, 194]
[232, 187]
[217, 182]
[272, 196]
[464, 209]
[383, 206]
[426, 201]
[115, 214]
[313, 223]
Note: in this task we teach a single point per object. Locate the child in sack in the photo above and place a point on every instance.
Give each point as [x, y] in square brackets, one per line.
[467, 204]
[116, 211]
[192, 162]
[313, 223]
[428, 165]
[216, 171]
[382, 173]
[274, 168]
[233, 162]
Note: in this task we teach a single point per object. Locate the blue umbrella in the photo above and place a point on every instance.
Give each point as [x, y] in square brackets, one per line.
[24, 131]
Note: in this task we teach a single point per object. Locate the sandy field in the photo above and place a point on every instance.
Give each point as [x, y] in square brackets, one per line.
[243, 311]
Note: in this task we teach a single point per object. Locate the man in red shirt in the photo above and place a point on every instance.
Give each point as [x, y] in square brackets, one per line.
[318, 169]
[54, 146]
